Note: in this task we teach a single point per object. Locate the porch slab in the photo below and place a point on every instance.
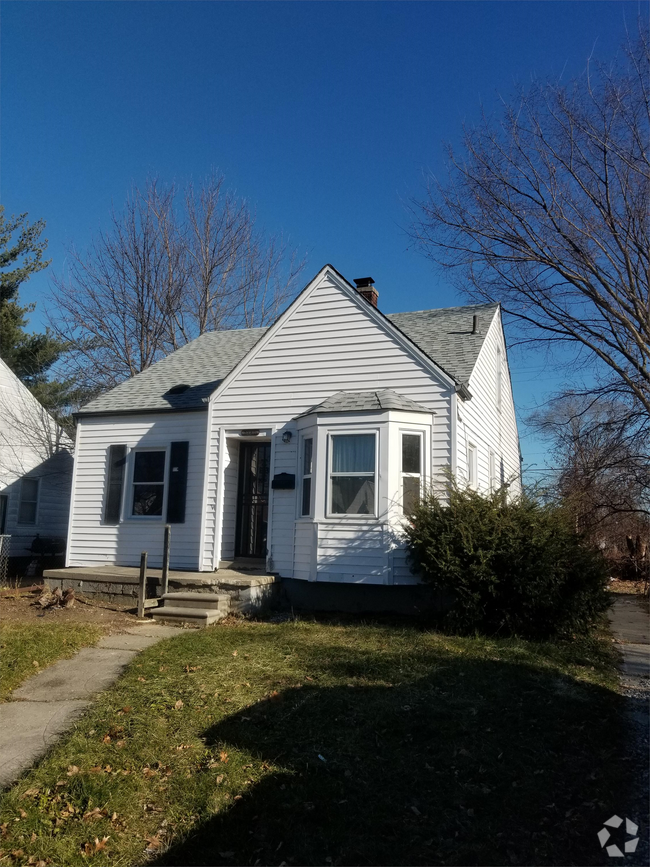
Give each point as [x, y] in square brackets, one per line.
[117, 574]
[249, 591]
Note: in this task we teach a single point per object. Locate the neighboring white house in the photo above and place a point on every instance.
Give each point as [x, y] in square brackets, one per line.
[35, 468]
[302, 443]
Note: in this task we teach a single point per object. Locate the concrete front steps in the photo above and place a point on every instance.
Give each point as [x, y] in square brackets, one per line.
[192, 609]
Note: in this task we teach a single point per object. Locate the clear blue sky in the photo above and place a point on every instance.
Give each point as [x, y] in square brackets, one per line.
[323, 114]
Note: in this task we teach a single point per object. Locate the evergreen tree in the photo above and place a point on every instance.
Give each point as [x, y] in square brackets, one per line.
[30, 356]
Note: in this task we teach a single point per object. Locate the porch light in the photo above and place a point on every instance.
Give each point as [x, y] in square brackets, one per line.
[286, 436]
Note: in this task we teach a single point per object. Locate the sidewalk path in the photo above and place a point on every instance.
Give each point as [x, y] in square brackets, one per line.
[630, 625]
[48, 703]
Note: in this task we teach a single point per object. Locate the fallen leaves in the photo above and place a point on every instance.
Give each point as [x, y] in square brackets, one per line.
[72, 770]
[153, 844]
[223, 757]
[179, 704]
[92, 848]
[94, 814]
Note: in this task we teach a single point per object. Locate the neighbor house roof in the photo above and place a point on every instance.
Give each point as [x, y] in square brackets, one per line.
[364, 401]
[444, 335]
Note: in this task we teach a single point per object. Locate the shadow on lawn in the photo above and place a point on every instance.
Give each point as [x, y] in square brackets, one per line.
[479, 762]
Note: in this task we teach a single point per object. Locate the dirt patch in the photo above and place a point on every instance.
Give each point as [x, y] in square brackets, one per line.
[629, 587]
[17, 606]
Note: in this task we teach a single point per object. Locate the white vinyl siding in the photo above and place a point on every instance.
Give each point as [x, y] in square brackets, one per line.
[93, 542]
[32, 447]
[327, 344]
[480, 421]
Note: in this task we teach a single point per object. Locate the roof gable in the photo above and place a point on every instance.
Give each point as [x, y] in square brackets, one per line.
[441, 340]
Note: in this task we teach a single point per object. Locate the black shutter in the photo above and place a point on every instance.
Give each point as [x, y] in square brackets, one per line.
[114, 484]
[177, 483]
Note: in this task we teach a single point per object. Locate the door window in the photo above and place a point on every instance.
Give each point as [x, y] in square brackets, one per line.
[253, 499]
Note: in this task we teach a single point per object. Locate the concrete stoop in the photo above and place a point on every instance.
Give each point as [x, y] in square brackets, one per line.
[201, 603]
[194, 598]
[192, 609]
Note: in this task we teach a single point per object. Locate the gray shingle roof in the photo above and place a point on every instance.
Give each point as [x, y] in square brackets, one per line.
[201, 364]
[444, 335]
[364, 401]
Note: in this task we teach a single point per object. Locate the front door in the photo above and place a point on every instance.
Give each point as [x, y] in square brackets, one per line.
[253, 499]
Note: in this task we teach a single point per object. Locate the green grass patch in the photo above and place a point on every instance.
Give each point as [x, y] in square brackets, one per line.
[326, 743]
[25, 649]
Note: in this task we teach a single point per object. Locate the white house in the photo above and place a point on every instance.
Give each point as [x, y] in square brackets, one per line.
[35, 469]
[301, 444]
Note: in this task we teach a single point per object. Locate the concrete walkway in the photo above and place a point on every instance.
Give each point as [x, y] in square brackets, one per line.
[47, 704]
[630, 625]
[631, 628]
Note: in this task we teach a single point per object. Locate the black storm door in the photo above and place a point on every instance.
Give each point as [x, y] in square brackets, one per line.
[253, 499]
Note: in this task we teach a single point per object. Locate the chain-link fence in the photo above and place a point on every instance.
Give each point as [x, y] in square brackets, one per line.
[5, 542]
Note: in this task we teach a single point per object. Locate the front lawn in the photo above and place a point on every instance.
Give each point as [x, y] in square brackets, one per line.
[325, 743]
[25, 649]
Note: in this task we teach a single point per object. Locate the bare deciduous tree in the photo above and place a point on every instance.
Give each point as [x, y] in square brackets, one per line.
[603, 459]
[162, 275]
[546, 211]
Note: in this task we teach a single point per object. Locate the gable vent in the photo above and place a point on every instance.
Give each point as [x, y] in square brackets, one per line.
[366, 287]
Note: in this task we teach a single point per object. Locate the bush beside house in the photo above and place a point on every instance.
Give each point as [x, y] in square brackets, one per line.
[509, 567]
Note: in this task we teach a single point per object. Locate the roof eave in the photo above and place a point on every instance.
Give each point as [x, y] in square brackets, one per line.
[81, 414]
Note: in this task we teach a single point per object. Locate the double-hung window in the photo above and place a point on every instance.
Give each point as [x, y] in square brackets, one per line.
[28, 503]
[352, 474]
[411, 471]
[148, 483]
[307, 468]
[472, 466]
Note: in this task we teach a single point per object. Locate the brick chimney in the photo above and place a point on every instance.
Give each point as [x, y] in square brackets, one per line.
[366, 287]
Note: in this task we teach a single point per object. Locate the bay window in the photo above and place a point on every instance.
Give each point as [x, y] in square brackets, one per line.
[307, 470]
[352, 480]
[411, 471]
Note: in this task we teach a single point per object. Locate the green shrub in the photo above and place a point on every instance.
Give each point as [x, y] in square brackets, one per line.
[509, 567]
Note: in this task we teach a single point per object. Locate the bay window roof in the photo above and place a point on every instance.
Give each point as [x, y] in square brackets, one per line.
[366, 401]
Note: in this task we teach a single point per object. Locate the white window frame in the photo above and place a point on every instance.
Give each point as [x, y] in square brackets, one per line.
[492, 470]
[472, 466]
[22, 499]
[131, 483]
[329, 475]
[310, 476]
[403, 475]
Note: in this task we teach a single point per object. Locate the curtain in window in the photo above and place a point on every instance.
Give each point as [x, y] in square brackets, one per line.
[353, 453]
